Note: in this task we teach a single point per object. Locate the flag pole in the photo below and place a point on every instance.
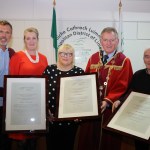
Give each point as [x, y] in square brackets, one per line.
[120, 27]
[54, 3]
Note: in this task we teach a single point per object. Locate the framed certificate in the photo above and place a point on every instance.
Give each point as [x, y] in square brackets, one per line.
[78, 97]
[133, 117]
[25, 103]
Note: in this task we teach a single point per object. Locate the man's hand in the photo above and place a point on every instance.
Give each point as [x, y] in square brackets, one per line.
[103, 106]
[115, 105]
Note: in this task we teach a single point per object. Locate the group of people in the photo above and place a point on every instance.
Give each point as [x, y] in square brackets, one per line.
[115, 78]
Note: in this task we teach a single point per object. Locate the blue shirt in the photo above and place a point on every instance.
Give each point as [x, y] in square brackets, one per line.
[4, 68]
[109, 55]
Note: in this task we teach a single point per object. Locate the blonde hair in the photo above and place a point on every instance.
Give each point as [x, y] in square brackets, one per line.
[31, 29]
[66, 48]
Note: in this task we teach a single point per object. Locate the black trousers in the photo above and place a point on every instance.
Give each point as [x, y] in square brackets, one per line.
[61, 137]
[140, 145]
[5, 142]
[27, 144]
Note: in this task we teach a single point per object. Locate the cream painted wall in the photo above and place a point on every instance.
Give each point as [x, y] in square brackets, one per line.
[38, 13]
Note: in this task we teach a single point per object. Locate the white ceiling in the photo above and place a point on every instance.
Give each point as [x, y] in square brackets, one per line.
[136, 5]
[142, 6]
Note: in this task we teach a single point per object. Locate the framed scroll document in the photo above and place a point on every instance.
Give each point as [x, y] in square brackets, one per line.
[78, 97]
[133, 117]
[25, 99]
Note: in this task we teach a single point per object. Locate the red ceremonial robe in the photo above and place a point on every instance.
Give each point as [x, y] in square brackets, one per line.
[114, 78]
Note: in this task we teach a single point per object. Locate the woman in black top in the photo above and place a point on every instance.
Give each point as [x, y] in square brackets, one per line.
[61, 134]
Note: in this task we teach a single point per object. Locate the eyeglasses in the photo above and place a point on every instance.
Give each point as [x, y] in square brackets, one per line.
[63, 54]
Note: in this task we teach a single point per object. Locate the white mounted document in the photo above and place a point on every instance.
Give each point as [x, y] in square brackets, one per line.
[25, 104]
[78, 97]
[133, 117]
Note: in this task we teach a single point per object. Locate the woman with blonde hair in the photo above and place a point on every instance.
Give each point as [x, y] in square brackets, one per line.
[27, 62]
[61, 134]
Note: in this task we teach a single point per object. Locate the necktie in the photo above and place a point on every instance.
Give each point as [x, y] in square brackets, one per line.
[105, 57]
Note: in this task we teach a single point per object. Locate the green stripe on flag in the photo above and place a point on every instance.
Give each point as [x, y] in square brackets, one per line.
[54, 32]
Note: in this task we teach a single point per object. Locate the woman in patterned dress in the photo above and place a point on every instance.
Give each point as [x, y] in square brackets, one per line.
[63, 133]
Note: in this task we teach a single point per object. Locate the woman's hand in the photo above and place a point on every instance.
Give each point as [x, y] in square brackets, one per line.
[50, 117]
[77, 120]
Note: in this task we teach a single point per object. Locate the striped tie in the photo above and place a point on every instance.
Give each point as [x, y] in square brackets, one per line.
[105, 57]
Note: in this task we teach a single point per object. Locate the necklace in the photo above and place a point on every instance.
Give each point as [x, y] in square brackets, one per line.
[30, 58]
